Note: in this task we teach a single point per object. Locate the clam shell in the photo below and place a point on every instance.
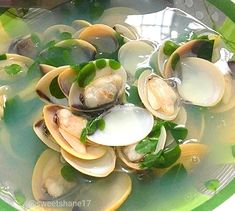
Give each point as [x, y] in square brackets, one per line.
[43, 87]
[134, 55]
[52, 32]
[127, 31]
[118, 183]
[48, 169]
[92, 151]
[124, 126]
[181, 118]
[45, 68]
[40, 130]
[202, 83]
[101, 36]
[142, 90]
[100, 167]
[80, 24]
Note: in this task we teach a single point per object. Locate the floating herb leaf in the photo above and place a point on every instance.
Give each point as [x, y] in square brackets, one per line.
[175, 60]
[3, 57]
[114, 64]
[212, 184]
[65, 36]
[133, 96]
[169, 47]
[78, 67]
[55, 89]
[19, 197]
[139, 72]
[120, 39]
[86, 74]
[69, 173]
[92, 125]
[100, 63]
[12, 69]
[35, 39]
[204, 49]
[147, 145]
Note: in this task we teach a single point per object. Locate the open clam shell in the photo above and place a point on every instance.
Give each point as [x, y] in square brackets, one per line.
[127, 31]
[22, 63]
[45, 68]
[103, 91]
[158, 96]
[201, 82]
[68, 141]
[134, 55]
[44, 135]
[123, 126]
[118, 183]
[100, 167]
[47, 176]
[181, 118]
[48, 88]
[80, 24]
[101, 36]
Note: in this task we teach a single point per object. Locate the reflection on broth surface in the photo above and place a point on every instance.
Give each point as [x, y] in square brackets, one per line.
[129, 109]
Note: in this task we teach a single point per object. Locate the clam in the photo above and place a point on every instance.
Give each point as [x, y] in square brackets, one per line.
[118, 183]
[181, 118]
[25, 46]
[47, 181]
[158, 96]
[100, 167]
[131, 158]
[123, 126]
[53, 32]
[48, 88]
[45, 68]
[3, 98]
[14, 66]
[65, 128]
[43, 134]
[80, 24]
[127, 31]
[71, 48]
[201, 82]
[106, 86]
[101, 36]
[134, 55]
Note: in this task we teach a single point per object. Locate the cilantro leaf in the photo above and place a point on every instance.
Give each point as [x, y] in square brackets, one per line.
[3, 57]
[55, 89]
[133, 96]
[86, 74]
[169, 47]
[145, 146]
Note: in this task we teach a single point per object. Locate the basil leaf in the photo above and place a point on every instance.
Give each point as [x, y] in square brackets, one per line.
[35, 39]
[169, 47]
[114, 64]
[65, 36]
[12, 69]
[179, 133]
[145, 146]
[83, 135]
[175, 60]
[69, 173]
[19, 197]
[212, 184]
[133, 96]
[3, 57]
[55, 89]
[233, 150]
[204, 49]
[86, 74]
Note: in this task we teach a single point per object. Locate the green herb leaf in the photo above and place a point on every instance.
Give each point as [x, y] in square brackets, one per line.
[100, 63]
[65, 36]
[212, 184]
[204, 49]
[179, 132]
[120, 39]
[86, 74]
[169, 47]
[114, 64]
[147, 145]
[12, 69]
[83, 135]
[91, 127]
[139, 72]
[19, 197]
[55, 89]
[133, 96]
[69, 173]
[3, 57]
[35, 39]
[78, 67]
[175, 60]
[233, 150]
